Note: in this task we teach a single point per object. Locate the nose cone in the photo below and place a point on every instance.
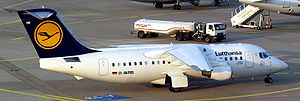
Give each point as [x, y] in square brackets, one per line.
[278, 64]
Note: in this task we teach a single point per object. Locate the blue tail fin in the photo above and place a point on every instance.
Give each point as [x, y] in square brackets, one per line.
[49, 34]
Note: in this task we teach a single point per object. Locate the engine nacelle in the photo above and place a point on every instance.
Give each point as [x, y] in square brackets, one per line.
[219, 73]
[202, 2]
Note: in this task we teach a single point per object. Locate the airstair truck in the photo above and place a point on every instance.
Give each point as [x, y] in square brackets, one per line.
[208, 32]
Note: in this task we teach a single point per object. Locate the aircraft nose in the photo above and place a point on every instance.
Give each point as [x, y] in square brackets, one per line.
[279, 64]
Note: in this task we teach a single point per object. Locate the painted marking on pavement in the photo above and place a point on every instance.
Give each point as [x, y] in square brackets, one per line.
[53, 97]
[75, 22]
[18, 59]
[247, 95]
[10, 22]
[156, 14]
[129, 17]
[105, 19]
[18, 38]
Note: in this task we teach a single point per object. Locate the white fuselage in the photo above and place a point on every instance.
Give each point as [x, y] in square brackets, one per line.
[290, 7]
[128, 64]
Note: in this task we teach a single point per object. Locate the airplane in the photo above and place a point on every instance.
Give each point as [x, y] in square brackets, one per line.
[250, 8]
[61, 51]
[289, 7]
[176, 6]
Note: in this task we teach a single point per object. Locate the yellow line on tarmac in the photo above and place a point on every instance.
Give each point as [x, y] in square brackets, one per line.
[105, 19]
[156, 14]
[10, 22]
[129, 17]
[59, 98]
[247, 95]
[65, 98]
[18, 38]
[75, 22]
[17, 59]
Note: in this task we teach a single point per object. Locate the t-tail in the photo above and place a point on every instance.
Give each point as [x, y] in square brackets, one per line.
[50, 35]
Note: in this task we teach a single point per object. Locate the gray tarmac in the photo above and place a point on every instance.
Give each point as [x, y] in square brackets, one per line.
[100, 23]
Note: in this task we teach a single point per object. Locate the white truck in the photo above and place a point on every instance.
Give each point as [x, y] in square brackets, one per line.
[208, 32]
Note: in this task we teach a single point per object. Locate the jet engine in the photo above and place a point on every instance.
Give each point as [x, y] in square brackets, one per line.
[219, 73]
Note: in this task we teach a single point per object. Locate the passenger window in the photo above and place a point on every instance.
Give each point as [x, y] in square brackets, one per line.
[230, 58]
[225, 58]
[135, 63]
[113, 64]
[153, 62]
[146, 63]
[129, 63]
[164, 62]
[236, 58]
[141, 63]
[124, 64]
[241, 58]
[158, 62]
[169, 62]
[119, 64]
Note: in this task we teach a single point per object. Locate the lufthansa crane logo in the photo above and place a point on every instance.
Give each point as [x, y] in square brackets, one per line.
[48, 34]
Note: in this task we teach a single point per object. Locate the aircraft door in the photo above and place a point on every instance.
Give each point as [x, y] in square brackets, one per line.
[249, 60]
[103, 67]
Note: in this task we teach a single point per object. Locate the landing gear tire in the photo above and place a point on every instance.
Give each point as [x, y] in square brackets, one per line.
[175, 90]
[268, 80]
[158, 85]
[177, 7]
[208, 39]
[141, 34]
[159, 5]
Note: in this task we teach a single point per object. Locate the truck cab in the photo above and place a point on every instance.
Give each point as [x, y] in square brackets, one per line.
[210, 32]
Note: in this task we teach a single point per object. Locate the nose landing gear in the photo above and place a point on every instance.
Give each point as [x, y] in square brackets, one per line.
[268, 79]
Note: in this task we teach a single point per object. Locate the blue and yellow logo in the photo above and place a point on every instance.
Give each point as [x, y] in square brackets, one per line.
[48, 34]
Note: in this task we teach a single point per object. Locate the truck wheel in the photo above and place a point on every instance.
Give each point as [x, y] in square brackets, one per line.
[158, 5]
[258, 28]
[177, 7]
[141, 34]
[207, 40]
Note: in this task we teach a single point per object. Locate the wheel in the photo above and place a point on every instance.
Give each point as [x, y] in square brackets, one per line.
[237, 26]
[158, 85]
[159, 5]
[177, 7]
[175, 89]
[141, 34]
[207, 39]
[258, 28]
[268, 80]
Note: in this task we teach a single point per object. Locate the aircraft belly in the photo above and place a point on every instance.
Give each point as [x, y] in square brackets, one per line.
[292, 10]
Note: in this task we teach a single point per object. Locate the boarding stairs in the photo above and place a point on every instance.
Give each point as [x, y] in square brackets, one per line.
[244, 13]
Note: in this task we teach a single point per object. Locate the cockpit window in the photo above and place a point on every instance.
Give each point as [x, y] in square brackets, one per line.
[263, 55]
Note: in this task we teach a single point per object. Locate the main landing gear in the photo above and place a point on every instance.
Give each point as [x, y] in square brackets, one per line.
[268, 79]
[176, 6]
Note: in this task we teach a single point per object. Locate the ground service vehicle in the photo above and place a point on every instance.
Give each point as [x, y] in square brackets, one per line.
[208, 32]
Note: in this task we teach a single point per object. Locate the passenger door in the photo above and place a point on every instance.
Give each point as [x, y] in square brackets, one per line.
[249, 59]
[103, 67]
